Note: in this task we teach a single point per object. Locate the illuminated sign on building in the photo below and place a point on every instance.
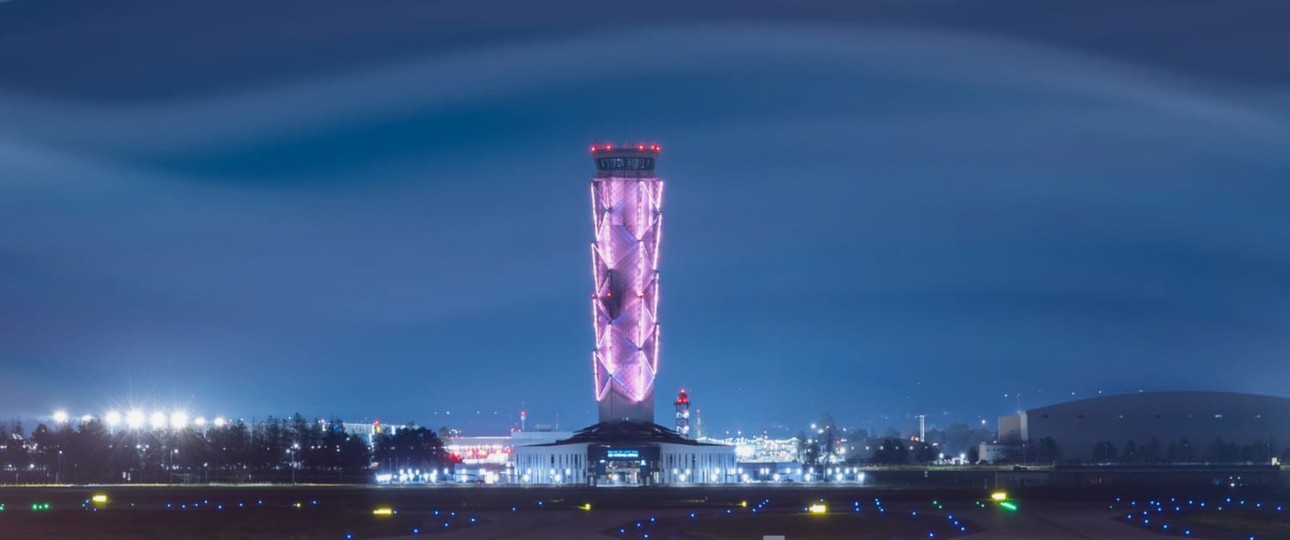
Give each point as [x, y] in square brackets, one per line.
[622, 454]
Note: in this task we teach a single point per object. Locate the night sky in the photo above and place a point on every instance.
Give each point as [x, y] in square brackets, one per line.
[875, 208]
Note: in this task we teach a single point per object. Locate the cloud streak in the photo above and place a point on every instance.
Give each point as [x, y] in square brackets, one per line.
[870, 198]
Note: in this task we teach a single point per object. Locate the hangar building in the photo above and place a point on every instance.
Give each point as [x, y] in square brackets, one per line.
[1200, 418]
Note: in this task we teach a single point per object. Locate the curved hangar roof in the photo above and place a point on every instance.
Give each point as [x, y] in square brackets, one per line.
[1160, 404]
[1199, 417]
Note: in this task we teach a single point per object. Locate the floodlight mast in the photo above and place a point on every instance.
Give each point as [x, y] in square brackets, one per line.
[627, 214]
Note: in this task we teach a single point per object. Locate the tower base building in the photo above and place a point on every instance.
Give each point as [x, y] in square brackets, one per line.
[626, 453]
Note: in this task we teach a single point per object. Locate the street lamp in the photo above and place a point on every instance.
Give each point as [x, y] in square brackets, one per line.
[292, 452]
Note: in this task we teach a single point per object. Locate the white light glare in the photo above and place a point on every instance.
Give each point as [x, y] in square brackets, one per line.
[134, 419]
[200, 421]
[60, 416]
[112, 418]
[158, 420]
[219, 421]
[178, 419]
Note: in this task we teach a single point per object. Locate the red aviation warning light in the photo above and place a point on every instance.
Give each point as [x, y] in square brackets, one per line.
[627, 148]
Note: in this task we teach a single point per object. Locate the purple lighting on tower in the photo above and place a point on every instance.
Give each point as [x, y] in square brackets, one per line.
[626, 201]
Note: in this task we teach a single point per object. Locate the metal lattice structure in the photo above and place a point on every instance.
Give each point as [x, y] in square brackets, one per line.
[626, 200]
[682, 405]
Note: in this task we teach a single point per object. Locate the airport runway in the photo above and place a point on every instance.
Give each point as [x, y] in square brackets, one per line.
[1035, 521]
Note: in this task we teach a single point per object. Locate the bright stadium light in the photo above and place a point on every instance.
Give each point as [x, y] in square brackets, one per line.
[158, 420]
[220, 421]
[178, 419]
[134, 419]
[200, 421]
[60, 416]
[112, 418]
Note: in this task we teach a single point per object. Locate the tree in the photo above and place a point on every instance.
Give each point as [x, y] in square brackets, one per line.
[307, 440]
[1104, 452]
[1186, 454]
[355, 457]
[1260, 452]
[973, 455]
[1047, 451]
[1130, 454]
[44, 450]
[232, 445]
[1247, 454]
[1221, 452]
[16, 452]
[409, 447]
[269, 444]
[890, 451]
[808, 451]
[811, 454]
[923, 452]
[1151, 452]
[828, 438]
[88, 454]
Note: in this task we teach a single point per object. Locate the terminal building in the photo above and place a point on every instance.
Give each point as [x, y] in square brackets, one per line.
[1189, 423]
[626, 447]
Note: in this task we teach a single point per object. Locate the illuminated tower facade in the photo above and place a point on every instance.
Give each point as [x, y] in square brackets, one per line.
[682, 404]
[626, 205]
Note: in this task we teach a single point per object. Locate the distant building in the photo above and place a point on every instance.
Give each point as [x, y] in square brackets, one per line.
[993, 453]
[1188, 424]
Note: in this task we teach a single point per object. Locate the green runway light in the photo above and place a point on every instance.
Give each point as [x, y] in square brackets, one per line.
[38, 507]
[1009, 506]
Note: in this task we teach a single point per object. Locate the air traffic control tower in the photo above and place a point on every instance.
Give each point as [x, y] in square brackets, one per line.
[627, 213]
[625, 447]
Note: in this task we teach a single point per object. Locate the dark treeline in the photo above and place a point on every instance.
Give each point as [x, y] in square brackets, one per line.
[276, 450]
[1153, 451]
